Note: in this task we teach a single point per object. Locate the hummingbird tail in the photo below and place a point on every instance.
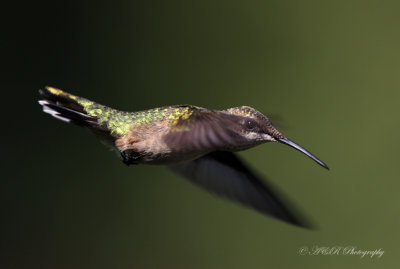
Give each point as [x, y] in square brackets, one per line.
[65, 107]
[77, 110]
[106, 123]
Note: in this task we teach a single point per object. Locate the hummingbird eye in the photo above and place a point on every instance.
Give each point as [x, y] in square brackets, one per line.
[250, 125]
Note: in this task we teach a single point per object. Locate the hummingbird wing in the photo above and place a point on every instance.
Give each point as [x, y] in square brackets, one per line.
[224, 174]
[202, 130]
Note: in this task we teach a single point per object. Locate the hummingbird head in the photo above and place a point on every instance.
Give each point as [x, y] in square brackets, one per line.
[256, 128]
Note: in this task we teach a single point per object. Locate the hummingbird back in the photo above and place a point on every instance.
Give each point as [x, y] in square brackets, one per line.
[108, 123]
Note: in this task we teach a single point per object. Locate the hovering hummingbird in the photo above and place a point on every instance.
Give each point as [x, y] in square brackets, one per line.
[195, 142]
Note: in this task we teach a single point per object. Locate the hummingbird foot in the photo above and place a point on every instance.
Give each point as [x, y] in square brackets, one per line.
[129, 157]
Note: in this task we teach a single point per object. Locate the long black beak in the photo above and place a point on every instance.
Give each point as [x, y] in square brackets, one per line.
[290, 143]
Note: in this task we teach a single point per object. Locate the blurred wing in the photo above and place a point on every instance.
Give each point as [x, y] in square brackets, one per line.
[277, 121]
[223, 173]
[203, 129]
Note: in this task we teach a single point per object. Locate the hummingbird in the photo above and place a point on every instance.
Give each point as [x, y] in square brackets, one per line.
[194, 142]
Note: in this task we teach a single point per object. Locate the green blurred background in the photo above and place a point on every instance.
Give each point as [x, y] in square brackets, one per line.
[329, 69]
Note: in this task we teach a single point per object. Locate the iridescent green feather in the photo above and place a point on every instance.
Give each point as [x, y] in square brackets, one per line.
[119, 122]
